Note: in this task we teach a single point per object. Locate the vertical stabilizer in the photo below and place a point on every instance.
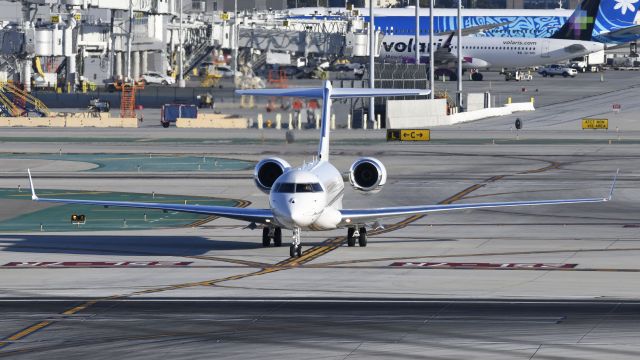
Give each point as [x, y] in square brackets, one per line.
[616, 15]
[325, 127]
[579, 26]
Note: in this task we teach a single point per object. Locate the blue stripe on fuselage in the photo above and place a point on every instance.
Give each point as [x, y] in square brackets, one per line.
[519, 26]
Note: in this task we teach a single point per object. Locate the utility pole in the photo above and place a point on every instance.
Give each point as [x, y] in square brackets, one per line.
[372, 77]
[129, 40]
[432, 85]
[181, 82]
[459, 94]
[234, 54]
[417, 39]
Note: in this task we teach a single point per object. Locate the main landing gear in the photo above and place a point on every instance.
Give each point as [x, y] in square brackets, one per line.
[270, 233]
[295, 249]
[355, 233]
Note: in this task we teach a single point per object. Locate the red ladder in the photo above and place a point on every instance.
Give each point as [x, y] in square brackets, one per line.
[128, 101]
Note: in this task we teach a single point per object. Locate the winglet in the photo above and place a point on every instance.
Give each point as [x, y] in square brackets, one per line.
[613, 186]
[34, 197]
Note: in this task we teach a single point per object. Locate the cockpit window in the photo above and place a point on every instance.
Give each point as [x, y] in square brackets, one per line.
[287, 188]
[290, 188]
[301, 188]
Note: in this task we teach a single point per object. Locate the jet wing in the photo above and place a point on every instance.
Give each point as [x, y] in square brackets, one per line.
[370, 215]
[261, 216]
[476, 29]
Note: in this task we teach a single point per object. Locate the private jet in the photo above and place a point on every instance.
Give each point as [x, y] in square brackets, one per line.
[309, 197]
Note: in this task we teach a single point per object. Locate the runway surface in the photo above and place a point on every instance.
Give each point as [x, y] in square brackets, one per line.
[538, 282]
[327, 329]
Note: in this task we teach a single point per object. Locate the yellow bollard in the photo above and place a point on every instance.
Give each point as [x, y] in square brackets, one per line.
[259, 121]
[509, 100]
[278, 121]
[290, 121]
[349, 121]
[533, 100]
[333, 121]
[364, 121]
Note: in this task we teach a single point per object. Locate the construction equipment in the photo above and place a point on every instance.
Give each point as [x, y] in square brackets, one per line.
[211, 79]
[205, 100]
[17, 102]
[97, 106]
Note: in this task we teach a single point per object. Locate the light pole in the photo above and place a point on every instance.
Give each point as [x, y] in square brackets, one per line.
[432, 85]
[417, 39]
[459, 94]
[234, 53]
[181, 82]
[372, 44]
[129, 40]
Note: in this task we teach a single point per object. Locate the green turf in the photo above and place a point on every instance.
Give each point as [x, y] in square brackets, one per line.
[58, 218]
[144, 162]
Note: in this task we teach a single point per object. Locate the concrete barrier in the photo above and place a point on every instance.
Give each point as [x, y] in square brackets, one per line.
[216, 121]
[69, 121]
[414, 114]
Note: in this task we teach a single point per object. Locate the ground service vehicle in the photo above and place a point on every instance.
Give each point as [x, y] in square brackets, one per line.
[172, 112]
[552, 70]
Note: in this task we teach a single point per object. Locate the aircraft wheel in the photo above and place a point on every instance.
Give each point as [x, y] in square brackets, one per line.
[544, 74]
[266, 240]
[351, 241]
[277, 237]
[362, 239]
[299, 250]
[476, 77]
[292, 251]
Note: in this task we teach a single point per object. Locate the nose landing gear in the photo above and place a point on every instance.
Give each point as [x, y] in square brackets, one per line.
[355, 233]
[295, 249]
[270, 233]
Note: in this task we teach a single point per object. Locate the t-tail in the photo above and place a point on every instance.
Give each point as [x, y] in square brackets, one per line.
[327, 93]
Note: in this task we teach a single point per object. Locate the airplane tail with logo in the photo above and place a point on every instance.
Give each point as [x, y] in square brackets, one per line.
[327, 93]
[580, 24]
[617, 21]
[607, 21]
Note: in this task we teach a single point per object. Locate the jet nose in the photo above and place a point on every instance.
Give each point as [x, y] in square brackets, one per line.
[299, 214]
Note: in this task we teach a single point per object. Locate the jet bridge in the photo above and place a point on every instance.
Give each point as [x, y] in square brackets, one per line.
[345, 36]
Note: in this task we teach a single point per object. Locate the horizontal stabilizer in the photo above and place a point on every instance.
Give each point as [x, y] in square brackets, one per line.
[575, 48]
[336, 93]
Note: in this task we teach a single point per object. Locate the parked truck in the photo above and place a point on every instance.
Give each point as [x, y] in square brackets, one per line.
[592, 62]
[172, 112]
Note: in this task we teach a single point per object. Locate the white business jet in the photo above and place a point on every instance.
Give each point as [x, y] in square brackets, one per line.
[309, 197]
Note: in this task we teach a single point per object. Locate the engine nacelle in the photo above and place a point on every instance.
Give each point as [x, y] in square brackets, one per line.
[367, 175]
[268, 171]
